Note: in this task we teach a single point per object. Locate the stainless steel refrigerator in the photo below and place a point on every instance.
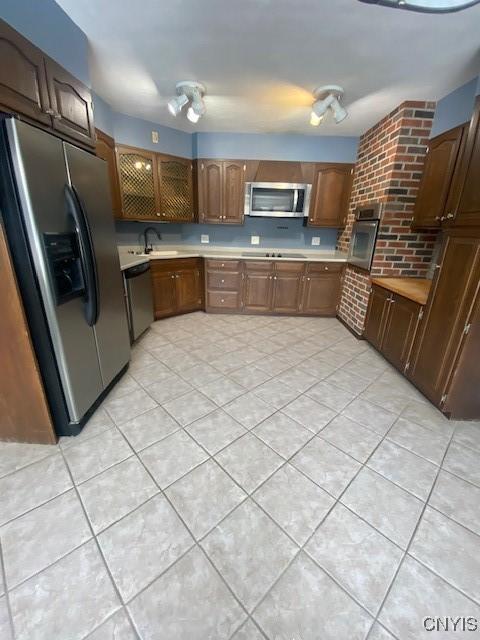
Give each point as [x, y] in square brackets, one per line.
[56, 209]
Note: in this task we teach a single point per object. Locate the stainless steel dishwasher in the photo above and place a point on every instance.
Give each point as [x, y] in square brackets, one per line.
[138, 283]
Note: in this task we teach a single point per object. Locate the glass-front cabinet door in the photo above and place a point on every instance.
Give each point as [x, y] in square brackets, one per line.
[138, 185]
[175, 188]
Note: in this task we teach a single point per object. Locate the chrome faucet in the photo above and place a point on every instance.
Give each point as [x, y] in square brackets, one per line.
[147, 249]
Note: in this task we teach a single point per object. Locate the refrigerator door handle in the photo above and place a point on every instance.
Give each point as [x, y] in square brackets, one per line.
[87, 254]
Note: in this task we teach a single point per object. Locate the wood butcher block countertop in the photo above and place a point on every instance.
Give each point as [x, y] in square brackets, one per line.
[416, 289]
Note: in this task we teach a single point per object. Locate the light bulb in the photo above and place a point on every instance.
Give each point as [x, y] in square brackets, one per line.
[192, 116]
[315, 120]
[138, 164]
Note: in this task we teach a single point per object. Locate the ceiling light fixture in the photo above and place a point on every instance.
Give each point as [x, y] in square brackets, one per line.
[327, 97]
[426, 6]
[188, 92]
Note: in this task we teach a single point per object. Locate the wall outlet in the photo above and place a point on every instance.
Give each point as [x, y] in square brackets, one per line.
[155, 137]
[316, 241]
[254, 239]
[204, 238]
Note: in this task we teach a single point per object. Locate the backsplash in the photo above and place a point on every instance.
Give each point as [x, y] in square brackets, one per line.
[286, 233]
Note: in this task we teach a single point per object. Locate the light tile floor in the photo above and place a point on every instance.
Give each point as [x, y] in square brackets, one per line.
[248, 478]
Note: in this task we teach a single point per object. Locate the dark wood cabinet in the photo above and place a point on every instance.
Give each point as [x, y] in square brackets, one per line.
[287, 287]
[434, 200]
[105, 149]
[466, 190]
[441, 340]
[332, 184]
[400, 326]
[138, 183]
[224, 285]
[258, 288]
[71, 103]
[391, 325]
[321, 293]
[221, 189]
[177, 286]
[378, 304]
[23, 84]
[38, 89]
[175, 188]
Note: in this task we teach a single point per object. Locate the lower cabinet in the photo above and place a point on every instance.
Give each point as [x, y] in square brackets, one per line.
[272, 287]
[321, 293]
[391, 325]
[177, 286]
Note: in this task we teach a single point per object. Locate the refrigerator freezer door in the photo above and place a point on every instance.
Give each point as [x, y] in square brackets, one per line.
[40, 172]
[89, 178]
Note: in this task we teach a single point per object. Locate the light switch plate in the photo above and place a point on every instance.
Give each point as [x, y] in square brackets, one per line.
[204, 238]
[316, 241]
[155, 137]
[254, 239]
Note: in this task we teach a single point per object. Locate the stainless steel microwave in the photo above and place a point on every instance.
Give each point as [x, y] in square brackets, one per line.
[277, 199]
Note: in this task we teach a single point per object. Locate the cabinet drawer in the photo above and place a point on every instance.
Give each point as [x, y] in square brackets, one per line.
[257, 265]
[289, 267]
[223, 280]
[223, 300]
[216, 265]
[321, 267]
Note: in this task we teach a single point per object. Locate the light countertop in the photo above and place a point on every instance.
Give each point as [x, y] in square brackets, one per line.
[129, 259]
[416, 289]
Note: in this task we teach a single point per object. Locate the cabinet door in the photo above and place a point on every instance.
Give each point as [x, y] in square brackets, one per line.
[105, 149]
[468, 209]
[210, 194]
[71, 102]
[23, 84]
[175, 188]
[138, 186]
[377, 315]
[164, 293]
[441, 330]
[258, 286]
[234, 191]
[321, 291]
[287, 287]
[332, 184]
[188, 289]
[440, 161]
[400, 327]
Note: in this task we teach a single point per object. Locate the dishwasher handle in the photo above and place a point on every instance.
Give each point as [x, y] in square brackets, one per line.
[137, 270]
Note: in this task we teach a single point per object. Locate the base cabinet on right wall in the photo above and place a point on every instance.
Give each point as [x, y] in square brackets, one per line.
[445, 360]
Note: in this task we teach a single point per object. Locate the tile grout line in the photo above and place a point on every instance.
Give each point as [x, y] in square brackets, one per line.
[6, 595]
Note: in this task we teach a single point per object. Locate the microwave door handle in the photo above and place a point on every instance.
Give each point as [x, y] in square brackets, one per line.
[87, 254]
[295, 200]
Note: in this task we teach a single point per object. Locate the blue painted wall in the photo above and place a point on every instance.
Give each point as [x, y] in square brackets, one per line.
[455, 108]
[286, 233]
[270, 146]
[45, 24]
[138, 133]
[102, 115]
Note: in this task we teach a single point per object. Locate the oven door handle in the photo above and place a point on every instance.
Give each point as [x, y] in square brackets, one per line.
[295, 200]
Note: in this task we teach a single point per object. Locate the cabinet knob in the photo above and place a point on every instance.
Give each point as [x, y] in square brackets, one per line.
[326, 268]
[450, 216]
[49, 111]
[172, 276]
[223, 281]
[222, 300]
[223, 264]
[274, 277]
[437, 218]
[56, 115]
[308, 278]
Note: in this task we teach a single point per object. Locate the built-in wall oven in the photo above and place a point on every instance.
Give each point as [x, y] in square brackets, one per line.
[364, 235]
[277, 199]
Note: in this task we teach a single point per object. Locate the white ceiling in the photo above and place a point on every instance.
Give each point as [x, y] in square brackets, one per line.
[261, 59]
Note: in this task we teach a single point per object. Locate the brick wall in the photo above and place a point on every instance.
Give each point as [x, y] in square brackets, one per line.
[388, 170]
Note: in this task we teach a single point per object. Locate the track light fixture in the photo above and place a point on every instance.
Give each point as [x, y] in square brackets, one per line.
[188, 92]
[426, 6]
[327, 97]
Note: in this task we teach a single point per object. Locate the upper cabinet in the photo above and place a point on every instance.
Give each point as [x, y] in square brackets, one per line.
[434, 200]
[36, 88]
[155, 186]
[332, 184]
[467, 187]
[105, 149]
[138, 184]
[221, 191]
[71, 103]
[175, 188]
